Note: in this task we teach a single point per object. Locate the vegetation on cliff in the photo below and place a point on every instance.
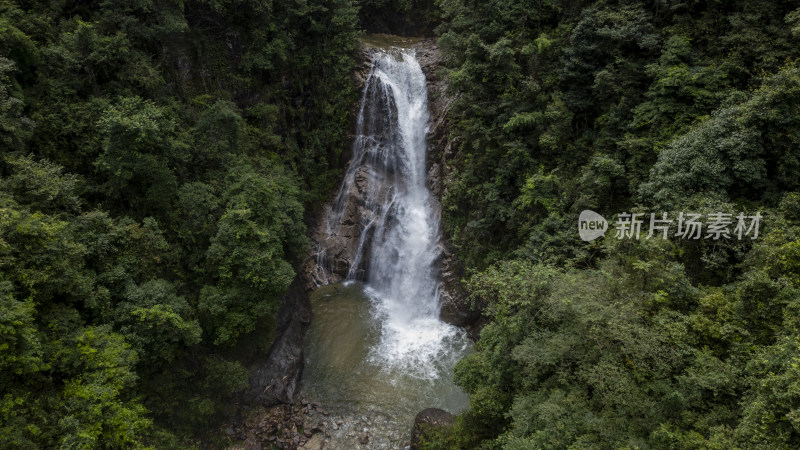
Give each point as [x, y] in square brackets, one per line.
[156, 160]
[626, 106]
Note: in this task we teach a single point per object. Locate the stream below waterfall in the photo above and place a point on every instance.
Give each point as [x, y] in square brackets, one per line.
[366, 393]
[376, 351]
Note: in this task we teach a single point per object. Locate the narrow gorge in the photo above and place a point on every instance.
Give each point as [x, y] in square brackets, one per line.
[388, 315]
[294, 225]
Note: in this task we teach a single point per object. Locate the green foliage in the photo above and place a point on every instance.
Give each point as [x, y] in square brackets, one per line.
[42, 186]
[14, 126]
[741, 151]
[399, 17]
[157, 322]
[20, 346]
[137, 155]
[156, 163]
[260, 227]
[94, 414]
[562, 106]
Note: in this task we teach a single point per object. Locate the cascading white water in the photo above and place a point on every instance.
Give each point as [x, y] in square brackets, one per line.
[400, 221]
[377, 353]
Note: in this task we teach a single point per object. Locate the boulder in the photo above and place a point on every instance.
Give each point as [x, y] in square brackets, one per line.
[425, 421]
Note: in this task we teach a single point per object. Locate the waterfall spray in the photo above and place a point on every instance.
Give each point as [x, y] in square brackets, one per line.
[376, 348]
[397, 247]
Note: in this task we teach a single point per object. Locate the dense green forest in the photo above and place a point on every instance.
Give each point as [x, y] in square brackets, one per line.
[626, 106]
[158, 159]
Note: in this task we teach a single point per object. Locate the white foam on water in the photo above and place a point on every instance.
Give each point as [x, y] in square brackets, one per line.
[403, 280]
[403, 222]
[419, 346]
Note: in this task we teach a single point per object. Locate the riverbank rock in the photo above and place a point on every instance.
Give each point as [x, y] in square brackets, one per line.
[276, 378]
[306, 425]
[283, 426]
[426, 421]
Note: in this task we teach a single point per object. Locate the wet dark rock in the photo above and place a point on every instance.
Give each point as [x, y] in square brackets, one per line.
[276, 378]
[425, 421]
[456, 308]
[364, 65]
[338, 249]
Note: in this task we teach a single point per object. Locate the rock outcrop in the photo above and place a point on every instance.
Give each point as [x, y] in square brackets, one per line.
[344, 222]
[456, 309]
[427, 421]
[276, 379]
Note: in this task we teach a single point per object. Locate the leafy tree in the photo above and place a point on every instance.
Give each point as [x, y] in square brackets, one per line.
[260, 229]
[95, 411]
[623, 106]
[14, 126]
[138, 155]
[157, 160]
[739, 151]
[42, 186]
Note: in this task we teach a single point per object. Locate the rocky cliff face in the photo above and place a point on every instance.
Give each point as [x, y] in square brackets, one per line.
[339, 248]
[455, 308]
[277, 378]
[334, 248]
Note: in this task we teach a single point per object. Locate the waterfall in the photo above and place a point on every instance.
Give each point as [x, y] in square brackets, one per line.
[398, 230]
[376, 351]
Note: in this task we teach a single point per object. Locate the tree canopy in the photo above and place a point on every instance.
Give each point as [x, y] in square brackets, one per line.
[625, 106]
[156, 162]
